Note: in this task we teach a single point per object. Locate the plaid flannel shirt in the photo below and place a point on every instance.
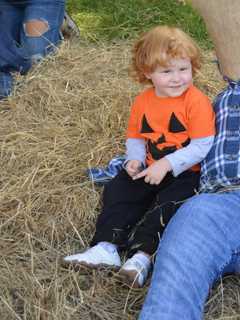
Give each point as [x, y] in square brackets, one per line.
[221, 168]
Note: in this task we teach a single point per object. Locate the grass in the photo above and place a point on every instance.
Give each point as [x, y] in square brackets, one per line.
[124, 19]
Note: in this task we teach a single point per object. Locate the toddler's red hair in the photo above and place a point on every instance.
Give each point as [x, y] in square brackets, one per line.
[157, 46]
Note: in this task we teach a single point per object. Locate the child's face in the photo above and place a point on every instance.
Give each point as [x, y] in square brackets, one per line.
[173, 80]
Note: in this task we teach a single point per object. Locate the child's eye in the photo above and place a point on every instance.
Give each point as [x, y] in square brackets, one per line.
[166, 71]
[183, 69]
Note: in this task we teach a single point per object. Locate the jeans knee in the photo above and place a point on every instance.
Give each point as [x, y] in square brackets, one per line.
[36, 28]
[198, 202]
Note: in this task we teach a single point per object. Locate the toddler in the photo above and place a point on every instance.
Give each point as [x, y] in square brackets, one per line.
[170, 131]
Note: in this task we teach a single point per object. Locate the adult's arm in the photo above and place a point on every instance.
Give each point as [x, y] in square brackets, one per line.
[222, 18]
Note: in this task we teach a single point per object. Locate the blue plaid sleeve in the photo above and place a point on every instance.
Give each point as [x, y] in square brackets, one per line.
[221, 167]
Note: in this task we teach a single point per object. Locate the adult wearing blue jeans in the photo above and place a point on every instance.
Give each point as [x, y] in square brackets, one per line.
[202, 242]
[29, 30]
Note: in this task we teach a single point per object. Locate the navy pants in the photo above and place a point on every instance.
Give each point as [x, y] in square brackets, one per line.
[135, 213]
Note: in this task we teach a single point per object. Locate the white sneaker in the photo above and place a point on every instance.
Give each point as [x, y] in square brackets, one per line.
[95, 257]
[135, 270]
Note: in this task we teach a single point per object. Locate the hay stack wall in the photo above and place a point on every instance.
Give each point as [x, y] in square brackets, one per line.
[69, 114]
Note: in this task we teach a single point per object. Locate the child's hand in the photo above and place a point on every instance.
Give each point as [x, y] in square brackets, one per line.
[155, 173]
[133, 167]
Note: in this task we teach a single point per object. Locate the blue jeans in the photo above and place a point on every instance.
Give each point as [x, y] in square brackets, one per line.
[200, 244]
[13, 18]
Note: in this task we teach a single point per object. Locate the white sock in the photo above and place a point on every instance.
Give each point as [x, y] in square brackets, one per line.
[110, 247]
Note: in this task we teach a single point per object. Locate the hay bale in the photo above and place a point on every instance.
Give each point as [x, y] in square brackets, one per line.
[69, 114]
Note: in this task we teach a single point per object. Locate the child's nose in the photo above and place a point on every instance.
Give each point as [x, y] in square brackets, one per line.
[176, 76]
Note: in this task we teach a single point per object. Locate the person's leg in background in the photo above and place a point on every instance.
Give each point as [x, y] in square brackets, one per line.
[200, 244]
[10, 21]
[41, 29]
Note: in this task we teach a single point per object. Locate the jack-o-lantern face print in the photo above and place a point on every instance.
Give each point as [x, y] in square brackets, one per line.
[158, 148]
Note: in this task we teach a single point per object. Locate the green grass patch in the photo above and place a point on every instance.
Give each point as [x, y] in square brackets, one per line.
[124, 19]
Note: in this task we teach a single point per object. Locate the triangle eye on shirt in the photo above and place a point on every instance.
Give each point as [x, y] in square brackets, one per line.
[175, 125]
[146, 128]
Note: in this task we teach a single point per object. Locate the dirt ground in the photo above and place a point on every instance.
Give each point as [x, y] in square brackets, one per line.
[69, 114]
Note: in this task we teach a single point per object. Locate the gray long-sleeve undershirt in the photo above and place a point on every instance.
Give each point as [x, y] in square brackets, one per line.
[180, 160]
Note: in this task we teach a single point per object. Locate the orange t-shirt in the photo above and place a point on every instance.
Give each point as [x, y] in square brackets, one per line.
[168, 124]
